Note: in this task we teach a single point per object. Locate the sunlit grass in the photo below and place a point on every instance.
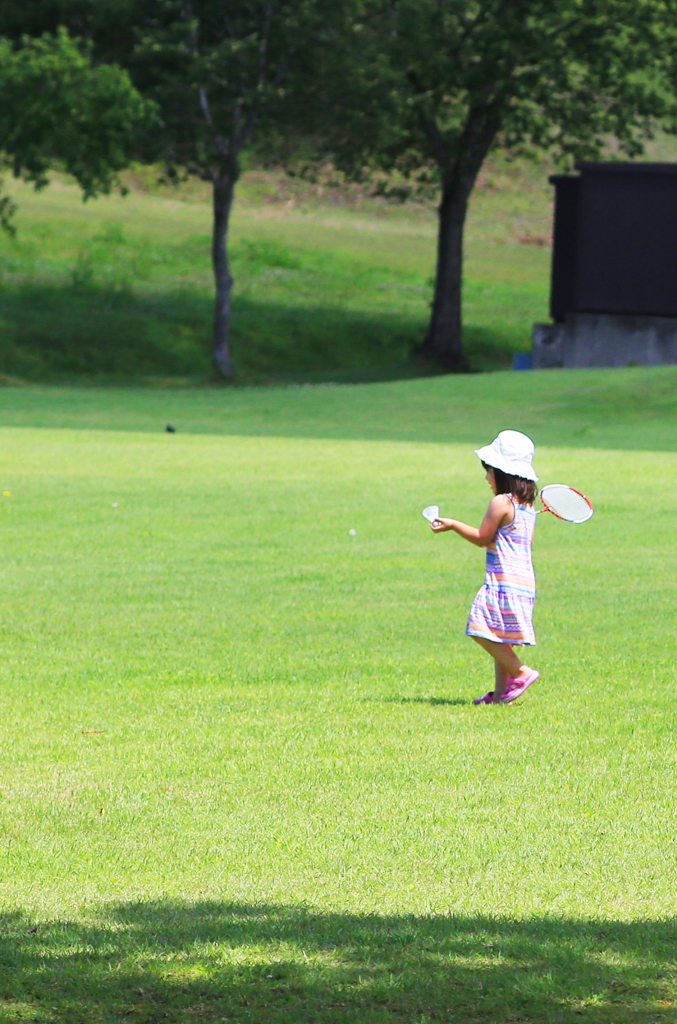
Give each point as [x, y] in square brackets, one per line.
[241, 776]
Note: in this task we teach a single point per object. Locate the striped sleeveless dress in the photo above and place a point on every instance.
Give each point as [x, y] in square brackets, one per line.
[504, 606]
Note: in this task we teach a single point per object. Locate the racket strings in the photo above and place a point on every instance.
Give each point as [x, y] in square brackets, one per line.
[567, 503]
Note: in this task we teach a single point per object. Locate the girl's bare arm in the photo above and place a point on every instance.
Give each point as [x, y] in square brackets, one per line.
[499, 513]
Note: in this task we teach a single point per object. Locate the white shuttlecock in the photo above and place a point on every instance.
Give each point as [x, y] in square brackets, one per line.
[431, 513]
[352, 533]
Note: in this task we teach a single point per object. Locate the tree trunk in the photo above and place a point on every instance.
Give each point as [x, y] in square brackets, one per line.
[444, 338]
[223, 188]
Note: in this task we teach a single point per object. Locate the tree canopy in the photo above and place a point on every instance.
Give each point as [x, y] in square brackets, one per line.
[214, 71]
[433, 85]
[56, 106]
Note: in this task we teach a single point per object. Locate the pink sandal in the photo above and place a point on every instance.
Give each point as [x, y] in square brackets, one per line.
[516, 687]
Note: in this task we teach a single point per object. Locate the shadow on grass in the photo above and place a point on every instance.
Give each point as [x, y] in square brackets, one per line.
[209, 962]
[58, 332]
[96, 332]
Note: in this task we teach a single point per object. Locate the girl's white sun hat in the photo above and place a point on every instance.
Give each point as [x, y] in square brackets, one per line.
[512, 452]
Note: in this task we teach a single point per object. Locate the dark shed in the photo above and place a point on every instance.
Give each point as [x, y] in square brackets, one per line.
[615, 241]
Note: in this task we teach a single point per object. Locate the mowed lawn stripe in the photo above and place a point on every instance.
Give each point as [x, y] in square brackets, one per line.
[632, 408]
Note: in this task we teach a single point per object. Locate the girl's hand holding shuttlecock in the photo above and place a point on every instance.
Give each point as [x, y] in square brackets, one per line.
[432, 514]
[437, 525]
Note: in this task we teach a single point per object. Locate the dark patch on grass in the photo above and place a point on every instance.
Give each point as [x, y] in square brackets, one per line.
[210, 961]
[489, 349]
[51, 332]
[63, 333]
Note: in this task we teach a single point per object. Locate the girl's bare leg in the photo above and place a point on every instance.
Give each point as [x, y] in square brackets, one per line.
[502, 674]
[506, 663]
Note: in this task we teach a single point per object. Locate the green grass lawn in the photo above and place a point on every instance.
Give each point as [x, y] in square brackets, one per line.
[242, 778]
[121, 288]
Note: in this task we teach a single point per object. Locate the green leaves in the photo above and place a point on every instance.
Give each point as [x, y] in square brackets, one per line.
[215, 73]
[562, 76]
[57, 106]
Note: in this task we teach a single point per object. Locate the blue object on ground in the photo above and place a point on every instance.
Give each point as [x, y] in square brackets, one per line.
[521, 361]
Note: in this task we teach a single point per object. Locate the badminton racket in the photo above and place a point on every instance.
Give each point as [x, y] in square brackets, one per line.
[566, 503]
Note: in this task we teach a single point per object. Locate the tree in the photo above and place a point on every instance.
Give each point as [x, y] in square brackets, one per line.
[57, 107]
[437, 83]
[214, 70]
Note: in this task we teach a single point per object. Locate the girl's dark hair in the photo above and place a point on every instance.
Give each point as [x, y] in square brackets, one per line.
[524, 491]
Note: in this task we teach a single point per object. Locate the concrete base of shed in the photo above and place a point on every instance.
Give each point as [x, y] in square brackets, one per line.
[596, 339]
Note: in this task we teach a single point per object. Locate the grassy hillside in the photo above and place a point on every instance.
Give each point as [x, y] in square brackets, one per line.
[327, 285]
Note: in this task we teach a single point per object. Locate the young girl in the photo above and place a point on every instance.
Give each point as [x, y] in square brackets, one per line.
[501, 614]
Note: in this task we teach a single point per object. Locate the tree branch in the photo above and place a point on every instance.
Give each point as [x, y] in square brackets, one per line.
[435, 136]
[220, 143]
[203, 173]
[263, 46]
